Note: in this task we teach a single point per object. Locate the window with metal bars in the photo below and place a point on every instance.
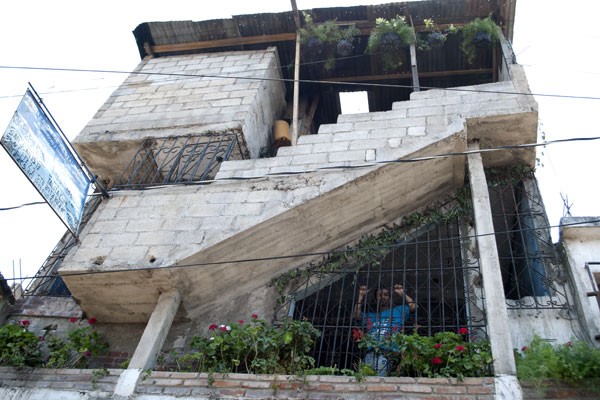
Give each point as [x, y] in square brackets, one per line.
[531, 272]
[426, 261]
[436, 262]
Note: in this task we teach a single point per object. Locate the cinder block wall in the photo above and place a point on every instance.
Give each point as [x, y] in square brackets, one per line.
[185, 95]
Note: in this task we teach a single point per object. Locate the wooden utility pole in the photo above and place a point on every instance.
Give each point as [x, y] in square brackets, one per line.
[294, 138]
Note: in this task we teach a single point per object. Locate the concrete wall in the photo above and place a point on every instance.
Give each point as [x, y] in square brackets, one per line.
[581, 244]
[212, 92]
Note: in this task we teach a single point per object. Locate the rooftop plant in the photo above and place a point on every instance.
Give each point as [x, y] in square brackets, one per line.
[388, 37]
[327, 40]
[479, 33]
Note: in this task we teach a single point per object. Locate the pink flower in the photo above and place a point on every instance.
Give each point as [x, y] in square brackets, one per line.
[24, 322]
[524, 349]
[73, 320]
[241, 322]
[92, 321]
[212, 327]
[463, 331]
[357, 334]
[436, 361]
[437, 346]
[569, 344]
[87, 354]
[369, 324]
[459, 348]
[225, 328]
[395, 329]
[254, 316]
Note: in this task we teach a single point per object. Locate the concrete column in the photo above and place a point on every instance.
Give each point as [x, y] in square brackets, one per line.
[495, 303]
[151, 342]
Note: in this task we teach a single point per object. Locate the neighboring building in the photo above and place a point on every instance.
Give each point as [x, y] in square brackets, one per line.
[211, 215]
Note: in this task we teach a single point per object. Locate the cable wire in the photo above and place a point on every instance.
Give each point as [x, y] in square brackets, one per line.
[287, 80]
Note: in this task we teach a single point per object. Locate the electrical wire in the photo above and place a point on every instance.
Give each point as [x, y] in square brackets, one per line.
[290, 256]
[287, 80]
[342, 167]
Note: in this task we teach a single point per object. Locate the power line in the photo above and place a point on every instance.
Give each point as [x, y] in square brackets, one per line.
[354, 84]
[365, 165]
[281, 257]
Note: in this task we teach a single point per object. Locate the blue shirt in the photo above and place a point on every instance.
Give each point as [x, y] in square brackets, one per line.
[386, 322]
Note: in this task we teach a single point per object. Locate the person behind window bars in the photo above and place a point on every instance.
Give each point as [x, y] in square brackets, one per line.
[382, 316]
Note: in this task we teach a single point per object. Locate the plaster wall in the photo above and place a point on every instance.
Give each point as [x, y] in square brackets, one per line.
[581, 245]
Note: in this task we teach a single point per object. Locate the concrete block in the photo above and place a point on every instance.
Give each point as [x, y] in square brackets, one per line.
[334, 128]
[387, 133]
[353, 135]
[355, 155]
[416, 131]
[314, 139]
[407, 122]
[156, 238]
[425, 111]
[309, 158]
[205, 210]
[368, 125]
[119, 239]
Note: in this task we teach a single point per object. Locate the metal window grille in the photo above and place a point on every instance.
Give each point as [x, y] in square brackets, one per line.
[531, 271]
[179, 159]
[427, 262]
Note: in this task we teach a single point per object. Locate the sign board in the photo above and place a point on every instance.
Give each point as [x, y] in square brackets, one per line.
[38, 148]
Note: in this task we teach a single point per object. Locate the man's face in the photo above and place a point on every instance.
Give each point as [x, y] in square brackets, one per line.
[383, 296]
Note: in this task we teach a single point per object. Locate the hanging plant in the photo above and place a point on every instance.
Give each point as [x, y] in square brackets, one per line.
[327, 40]
[433, 36]
[479, 33]
[388, 38]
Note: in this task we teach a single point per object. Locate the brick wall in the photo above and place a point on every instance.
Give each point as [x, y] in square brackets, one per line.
[75, 384]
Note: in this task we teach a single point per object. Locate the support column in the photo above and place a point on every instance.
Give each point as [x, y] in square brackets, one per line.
[495, 302]
[151, 342]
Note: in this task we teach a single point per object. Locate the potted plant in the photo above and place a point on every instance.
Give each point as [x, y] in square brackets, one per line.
[388, 37]
[327, 40]
[479, 33]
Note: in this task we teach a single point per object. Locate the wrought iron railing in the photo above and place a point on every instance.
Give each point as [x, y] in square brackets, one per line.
[179, 159]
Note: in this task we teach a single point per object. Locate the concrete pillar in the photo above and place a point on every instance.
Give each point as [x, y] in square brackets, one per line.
[151, 342]
[495, 303]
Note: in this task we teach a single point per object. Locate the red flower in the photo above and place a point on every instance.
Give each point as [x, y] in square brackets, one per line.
[87, 354]
[437, 346]
[463, 331]
[73, 320]
[254, 316]
[569, 344]
[24, 322]
[395, 329]
[436, 361]
[241, 322]
[369, 324]
[92, 321]
[212, 327]
[459, 348]
[357, 334]
[524, 348]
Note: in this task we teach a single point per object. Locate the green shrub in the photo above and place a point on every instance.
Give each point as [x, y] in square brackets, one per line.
[445, 354]
[82, 343]
[19, 347]
[253, 347]
[572, 362]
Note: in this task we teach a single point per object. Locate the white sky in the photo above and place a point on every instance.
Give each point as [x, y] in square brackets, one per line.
[558, 49]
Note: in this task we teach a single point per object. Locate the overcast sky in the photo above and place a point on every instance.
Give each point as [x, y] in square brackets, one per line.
[552, 40]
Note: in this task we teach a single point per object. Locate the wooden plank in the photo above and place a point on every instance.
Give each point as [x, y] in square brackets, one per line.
[310, 115]
[369, 78]
[210, 44]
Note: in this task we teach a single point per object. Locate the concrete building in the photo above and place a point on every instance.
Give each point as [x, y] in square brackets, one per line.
[212, 216]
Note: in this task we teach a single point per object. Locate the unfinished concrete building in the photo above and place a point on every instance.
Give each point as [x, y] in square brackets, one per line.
[238, 186]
